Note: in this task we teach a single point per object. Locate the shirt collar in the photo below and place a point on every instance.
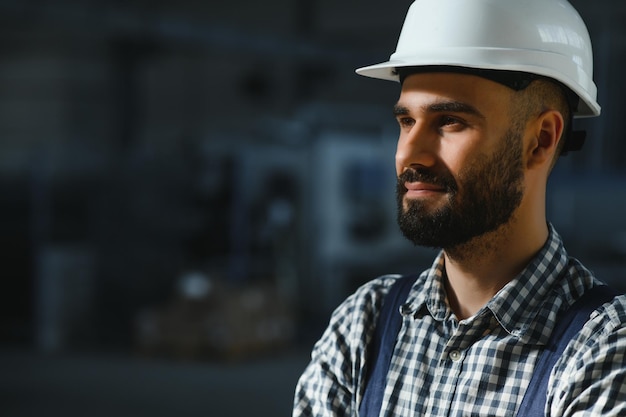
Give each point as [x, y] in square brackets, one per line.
[521, 300]
[516, 305]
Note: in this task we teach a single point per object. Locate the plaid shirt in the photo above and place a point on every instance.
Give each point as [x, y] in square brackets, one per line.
[480, 366]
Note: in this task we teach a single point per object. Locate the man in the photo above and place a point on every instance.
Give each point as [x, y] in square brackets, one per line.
[488, 91]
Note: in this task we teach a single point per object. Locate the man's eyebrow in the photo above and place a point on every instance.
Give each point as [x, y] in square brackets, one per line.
[454, 107]
[449, 106]
[399, 110]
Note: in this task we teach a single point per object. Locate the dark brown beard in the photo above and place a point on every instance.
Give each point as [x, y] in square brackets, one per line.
[488, 193]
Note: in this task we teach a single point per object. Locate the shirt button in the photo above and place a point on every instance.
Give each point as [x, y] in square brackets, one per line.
[455, 356]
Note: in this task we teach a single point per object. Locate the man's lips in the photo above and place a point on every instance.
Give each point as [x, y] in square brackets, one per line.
[422, 188]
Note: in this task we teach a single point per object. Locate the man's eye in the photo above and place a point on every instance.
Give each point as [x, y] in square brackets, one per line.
[451, 123]
[406, 121]
[448, 120]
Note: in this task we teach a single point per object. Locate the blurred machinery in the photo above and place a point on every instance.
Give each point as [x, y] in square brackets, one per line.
[354, 232]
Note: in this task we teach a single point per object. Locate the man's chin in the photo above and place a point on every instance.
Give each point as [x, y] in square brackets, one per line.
[431, 238]
[424, 207]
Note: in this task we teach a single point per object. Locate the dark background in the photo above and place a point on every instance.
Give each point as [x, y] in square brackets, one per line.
[170, 169]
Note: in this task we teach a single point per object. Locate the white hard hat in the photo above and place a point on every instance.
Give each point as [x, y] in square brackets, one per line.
[541, 37]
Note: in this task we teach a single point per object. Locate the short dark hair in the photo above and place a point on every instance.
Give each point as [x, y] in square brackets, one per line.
[541, 95]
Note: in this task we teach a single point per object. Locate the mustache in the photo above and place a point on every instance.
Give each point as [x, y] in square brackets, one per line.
[445, 180]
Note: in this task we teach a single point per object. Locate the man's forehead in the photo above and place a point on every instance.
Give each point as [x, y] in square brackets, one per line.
[434, 88]
[453, 93]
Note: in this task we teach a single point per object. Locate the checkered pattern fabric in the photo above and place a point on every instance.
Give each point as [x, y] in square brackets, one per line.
[480, 366]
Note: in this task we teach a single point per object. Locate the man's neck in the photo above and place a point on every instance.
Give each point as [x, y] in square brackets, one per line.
[478, 269]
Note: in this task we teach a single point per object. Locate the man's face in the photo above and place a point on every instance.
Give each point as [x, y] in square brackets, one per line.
[459, 160]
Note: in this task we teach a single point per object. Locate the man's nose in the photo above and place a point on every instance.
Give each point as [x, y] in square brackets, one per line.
[416, 148]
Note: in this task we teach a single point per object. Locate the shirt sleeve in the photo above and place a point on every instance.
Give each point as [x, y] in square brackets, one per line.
[590, 378]
[331, 384]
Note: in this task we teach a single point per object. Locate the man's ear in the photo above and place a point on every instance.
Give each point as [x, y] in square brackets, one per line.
[547, 133]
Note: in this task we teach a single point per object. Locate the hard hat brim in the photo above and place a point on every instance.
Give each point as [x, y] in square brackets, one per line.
[587, 106]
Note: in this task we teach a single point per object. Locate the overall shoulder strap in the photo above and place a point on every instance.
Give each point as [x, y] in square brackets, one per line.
[568, 325]
[382, 345]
